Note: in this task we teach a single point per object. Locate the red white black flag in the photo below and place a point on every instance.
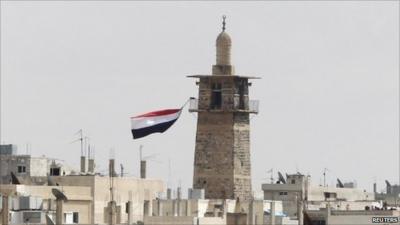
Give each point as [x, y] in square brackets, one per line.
[153, 122]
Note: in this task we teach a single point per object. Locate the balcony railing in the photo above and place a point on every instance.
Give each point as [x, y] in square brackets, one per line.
[251, 108]
[193, 105]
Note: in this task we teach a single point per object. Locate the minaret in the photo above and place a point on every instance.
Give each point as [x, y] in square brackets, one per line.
[223, 44]
[222, 154]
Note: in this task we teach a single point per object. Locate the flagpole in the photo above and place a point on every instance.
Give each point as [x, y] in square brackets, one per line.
[187, 101]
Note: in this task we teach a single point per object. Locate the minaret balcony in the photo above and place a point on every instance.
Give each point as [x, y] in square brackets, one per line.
[252, 107]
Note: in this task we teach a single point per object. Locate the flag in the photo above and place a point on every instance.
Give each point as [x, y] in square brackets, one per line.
[153, 122]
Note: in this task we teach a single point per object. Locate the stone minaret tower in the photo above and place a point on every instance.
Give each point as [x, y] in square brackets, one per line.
[222, 156]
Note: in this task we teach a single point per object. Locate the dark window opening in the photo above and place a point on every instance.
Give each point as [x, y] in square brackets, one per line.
[216, 96]
[319, 222]
[329, 195]
[75, 217]
[127, 206]
[54, 171]
[241, 95]
[21, 169]
[293, 181]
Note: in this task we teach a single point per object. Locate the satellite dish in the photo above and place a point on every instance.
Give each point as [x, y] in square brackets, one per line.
[281, 178]
[49, 221]
[58, 194]
[14, 179]
[340, 184]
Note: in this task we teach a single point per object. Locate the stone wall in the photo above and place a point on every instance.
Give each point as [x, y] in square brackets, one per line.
[213, 167]
[222, 156]
[242, 161]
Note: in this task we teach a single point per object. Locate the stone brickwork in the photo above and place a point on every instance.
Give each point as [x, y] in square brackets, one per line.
[241, 150]
[222, 155]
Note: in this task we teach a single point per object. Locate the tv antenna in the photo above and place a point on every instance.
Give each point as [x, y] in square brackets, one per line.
[271, 171]
[325, 170]
[122, 170]
[140, 152]
[80, 133]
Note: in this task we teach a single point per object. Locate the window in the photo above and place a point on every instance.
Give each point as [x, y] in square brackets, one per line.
[75, 217]
[21, 169]
[68, 218]
[283, 193]
[293, 181]
[216, 96]
[54, 171]
[241, 95]
[329, 195]
[241, 91]
[319, 222]
[71, 217]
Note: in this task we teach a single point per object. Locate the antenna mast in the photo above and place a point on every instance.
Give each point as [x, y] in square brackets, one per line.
[169, 173]
[81, 140]
[325, 170]
[111, 175]
[272, 175]
[89, 155]
[122, 170]
[140, 152]
[87, 145]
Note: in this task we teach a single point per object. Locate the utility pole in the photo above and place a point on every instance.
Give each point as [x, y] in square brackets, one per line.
[325, 170]
[111, 204]
[272, 175]
[83, 158]
[122, 170]
[140, 152]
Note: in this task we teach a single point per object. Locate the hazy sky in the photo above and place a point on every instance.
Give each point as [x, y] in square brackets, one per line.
[329, 93]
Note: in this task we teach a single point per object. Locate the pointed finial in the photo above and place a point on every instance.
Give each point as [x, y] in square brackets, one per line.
[223, 23]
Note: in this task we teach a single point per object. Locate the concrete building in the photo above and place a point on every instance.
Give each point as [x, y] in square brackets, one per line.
[222, 164]
[319, 205]
[88, 198]
[328, 216]
[126, 190]
[297, 194]
[392, 189]
[88, 193]
[391, 197]
[78, 204]
[33, 170]
[8, 149]
[215, 212]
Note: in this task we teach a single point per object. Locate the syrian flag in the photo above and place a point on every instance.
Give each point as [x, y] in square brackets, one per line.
[153, 122]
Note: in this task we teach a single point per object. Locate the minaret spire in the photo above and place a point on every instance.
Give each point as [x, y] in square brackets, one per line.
[223, 23]
[223, 63]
